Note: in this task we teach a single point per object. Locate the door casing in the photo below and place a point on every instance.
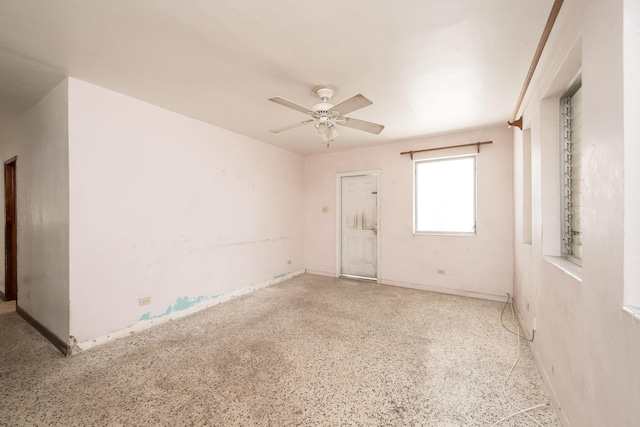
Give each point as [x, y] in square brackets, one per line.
[10, 231]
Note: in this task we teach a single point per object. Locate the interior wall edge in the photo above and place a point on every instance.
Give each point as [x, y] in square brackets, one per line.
[44, 331]
[553, 396]
[39, 140]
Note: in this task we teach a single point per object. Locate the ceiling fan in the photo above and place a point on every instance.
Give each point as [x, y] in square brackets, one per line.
[325, 116]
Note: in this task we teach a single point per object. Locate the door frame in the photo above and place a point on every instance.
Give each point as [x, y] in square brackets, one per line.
[339, 177]
[11, 283]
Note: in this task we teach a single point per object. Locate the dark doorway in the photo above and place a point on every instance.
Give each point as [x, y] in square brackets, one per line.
[10, 232]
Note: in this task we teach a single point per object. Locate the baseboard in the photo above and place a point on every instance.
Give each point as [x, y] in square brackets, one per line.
[321, 273]
[546, 379]
[470, 294]
[54, 339]
[142, 325]
[521, 322]
[462, 293]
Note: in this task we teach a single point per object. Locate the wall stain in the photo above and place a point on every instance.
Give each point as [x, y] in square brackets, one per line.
[246, 242]
[182, 303]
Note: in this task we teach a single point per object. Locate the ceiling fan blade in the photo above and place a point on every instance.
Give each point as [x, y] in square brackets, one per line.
[352, 104]
[361, 125]
[293, 105]
[295, 125]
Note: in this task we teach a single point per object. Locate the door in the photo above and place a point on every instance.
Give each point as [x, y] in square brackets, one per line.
[359, 228]
[10, 232]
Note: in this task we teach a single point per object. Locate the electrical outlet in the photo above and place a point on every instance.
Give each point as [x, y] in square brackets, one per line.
[144, 301]
[534, 323]
[289, 262]
[325, 209]
[440, 272]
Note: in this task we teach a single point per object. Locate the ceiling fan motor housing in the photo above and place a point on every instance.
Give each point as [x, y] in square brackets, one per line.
[322, 108]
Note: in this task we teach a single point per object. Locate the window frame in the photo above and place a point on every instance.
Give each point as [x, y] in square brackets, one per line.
[566, 183]
[416, 163]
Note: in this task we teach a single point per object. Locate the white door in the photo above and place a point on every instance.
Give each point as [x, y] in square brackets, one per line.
[359, 226]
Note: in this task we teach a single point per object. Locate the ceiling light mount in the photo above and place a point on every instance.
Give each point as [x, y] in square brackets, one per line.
[324, 93]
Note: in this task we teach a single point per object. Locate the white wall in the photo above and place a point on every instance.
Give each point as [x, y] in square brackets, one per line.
[631, 42]
[481, 265]
[172, 209]
[39, 140]
[587, 348]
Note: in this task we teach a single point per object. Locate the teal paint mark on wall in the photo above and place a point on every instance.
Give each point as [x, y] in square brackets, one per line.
[279, 276]
[186, 302]
[182, 303]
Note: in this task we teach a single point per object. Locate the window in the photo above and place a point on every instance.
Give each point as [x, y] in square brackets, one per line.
[526, 187]
[571, 112]
[445, 195]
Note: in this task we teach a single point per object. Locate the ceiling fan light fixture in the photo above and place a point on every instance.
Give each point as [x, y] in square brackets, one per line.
[322, 128]
[333, 132]
[330, 135]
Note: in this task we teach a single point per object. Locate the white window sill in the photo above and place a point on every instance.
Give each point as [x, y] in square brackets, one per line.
[632, 311]
[443, 233]
[572, 269]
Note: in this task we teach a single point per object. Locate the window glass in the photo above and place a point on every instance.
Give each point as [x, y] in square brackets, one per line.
[445, 195]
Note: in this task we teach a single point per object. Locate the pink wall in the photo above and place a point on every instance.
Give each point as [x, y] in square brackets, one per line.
[480, 265]
[172, 209]
[586, 346]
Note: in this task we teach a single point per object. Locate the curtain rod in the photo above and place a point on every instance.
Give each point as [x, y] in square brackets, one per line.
[555, 10]
[474, 144]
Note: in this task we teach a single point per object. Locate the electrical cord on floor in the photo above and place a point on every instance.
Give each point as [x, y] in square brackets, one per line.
[533, 333]
[504, 384]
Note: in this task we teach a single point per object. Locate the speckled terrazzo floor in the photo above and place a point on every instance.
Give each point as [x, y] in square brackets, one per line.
[310, 351]
[7, 306]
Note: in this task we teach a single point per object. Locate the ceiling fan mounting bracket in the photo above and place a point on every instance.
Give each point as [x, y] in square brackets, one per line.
[324, 93]
[334, 90]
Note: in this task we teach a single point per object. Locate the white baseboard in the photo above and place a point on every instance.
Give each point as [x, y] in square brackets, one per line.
[470, 294]
[546, 379]
[76, 347]
[321, 273]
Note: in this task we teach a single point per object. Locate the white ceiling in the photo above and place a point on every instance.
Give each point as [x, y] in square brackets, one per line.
[429, 66]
